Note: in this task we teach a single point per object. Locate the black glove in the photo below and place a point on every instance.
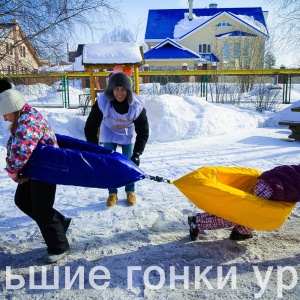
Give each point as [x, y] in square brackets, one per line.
[136, 158]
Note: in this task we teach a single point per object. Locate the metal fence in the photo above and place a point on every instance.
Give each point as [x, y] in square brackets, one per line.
[239, 87]
[85, 103]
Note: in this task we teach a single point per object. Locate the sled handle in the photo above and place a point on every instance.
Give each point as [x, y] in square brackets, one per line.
[158, 179]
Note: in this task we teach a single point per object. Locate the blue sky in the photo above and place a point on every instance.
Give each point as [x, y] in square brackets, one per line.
[133, 7]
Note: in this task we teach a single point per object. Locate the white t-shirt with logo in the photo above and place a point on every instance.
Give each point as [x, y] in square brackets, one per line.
[115, 127]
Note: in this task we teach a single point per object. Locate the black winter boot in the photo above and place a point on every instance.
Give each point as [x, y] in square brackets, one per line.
[236, 236]
[194, 231]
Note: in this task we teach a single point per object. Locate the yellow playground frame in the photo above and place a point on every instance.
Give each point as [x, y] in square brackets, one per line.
[102, 65]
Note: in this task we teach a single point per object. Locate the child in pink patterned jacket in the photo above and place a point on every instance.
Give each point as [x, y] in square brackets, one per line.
[278, 184]
[33, 197]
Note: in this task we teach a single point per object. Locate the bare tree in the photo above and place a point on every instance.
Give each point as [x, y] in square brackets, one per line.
[137, 28]
[245, 52]
[287, 21]
[124, 34]
[48, 24]
[270, 60]
[118, 35]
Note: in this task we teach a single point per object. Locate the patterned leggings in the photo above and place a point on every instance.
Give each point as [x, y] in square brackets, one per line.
[207, 221]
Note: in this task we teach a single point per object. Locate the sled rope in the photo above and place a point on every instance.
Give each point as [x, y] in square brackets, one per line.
[158, 179]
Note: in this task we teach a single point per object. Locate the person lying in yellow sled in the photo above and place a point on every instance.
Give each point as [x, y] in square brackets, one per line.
[281, 183]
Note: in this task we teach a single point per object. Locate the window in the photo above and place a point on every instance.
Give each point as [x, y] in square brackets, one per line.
[226, 51]
[223, 24]
[22, 51]
[204, 48]
[9, 48]
[236, 50]
[246, 50]
[24, 70]
[10, 69]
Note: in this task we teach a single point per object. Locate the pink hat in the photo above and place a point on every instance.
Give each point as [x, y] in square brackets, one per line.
[117, 69]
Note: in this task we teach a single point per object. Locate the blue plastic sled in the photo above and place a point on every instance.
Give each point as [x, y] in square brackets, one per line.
[80, 163]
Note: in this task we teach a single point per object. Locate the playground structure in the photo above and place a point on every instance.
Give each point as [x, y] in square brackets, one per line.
[111, 56]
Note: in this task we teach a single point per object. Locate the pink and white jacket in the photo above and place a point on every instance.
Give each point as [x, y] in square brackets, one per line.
[32, 129]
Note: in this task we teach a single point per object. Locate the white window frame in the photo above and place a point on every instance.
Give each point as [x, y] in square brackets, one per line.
[206, 47]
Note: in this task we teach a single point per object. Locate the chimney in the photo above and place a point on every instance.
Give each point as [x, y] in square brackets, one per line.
[190, 10]
[213, 5]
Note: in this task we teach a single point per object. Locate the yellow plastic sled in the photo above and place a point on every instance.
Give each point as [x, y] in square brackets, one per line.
[227, 192]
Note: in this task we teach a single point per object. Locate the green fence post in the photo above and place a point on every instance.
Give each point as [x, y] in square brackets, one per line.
[201, 85]
[287, 84]
[290, 87]
[206, 87]
[285, 88]
[65, 92]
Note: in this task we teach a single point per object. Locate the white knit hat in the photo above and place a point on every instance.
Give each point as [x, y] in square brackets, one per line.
[10, 101]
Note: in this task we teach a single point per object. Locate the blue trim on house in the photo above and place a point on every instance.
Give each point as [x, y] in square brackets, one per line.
[209, 57]
[249, 24]
[169, 49]
[236, 33]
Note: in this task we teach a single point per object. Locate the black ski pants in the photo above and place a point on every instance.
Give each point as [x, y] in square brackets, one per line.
[36, 199]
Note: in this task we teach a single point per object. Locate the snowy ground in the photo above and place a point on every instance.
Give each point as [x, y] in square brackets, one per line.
[144, 251]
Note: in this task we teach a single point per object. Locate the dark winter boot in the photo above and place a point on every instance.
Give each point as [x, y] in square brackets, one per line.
[194, 231]
[236, 236]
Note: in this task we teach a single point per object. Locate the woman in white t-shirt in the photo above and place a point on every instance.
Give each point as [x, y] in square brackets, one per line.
[123, 121]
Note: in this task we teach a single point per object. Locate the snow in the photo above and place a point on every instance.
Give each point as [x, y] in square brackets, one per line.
[185, 25]
[142, 248]
[250, 20]
[112, 53]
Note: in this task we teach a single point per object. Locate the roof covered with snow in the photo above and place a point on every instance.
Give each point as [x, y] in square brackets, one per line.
[173, 23]
[170, 49]
[112, 53]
